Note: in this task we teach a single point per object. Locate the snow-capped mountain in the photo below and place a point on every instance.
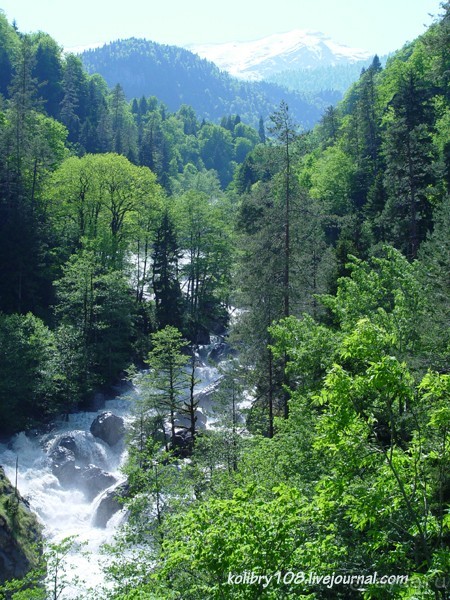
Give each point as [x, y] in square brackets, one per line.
[298, 49]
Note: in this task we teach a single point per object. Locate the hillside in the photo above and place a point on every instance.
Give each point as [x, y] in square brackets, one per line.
[329, 77]
[177, 76]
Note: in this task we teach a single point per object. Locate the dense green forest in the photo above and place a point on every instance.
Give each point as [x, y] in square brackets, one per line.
[127, 233]
[337, 78]
[177, 76]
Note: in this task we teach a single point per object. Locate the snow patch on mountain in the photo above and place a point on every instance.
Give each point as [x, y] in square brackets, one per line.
[298, 49]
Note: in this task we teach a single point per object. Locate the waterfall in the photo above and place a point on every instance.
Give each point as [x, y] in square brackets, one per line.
[69, 508]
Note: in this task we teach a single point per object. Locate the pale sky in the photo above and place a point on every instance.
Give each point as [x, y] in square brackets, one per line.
[375, 25]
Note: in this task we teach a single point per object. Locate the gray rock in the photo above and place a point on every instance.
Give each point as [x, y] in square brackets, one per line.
[68, 441]
[108, 427]
[220, 351]
[76, 443]
[94, 480]
[109, 505]
[183, 420]
[183, 444]
[64, 466]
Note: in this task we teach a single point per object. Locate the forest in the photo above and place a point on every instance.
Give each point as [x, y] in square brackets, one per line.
[128, 236]
[177, 76]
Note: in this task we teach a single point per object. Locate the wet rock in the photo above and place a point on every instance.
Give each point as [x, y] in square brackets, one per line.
[68, 441]
[94, 480]
[184, 421]
[205, 398]
[64, 466]
[77, 447]
[183, 444]
[110, 504]
[220, 351]
[70, 456]
[108, 427]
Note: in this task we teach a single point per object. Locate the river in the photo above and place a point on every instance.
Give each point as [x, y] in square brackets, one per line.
[70, 511]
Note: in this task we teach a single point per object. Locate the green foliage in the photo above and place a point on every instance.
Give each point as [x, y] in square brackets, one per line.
[27, 347]
[354, 477]
[168, 297]
[97, 304]
[50, 578]
[99, 199]
[244, 533]
[331, 180]
[204, 236]
[164, 387]
[212, 93]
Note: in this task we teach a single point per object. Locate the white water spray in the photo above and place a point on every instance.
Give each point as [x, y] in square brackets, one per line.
[67, 511]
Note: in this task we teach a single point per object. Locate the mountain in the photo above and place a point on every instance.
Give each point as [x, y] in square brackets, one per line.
[177, 76]
[330, 77]
[298, 49]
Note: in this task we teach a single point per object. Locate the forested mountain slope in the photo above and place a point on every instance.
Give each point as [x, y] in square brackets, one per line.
[177, 76]
[338, 78]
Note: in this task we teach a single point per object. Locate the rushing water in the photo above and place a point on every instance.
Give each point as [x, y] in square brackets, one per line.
[68, 511]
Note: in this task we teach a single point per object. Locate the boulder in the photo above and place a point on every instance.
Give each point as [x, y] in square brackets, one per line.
[94, 480]
[109, 505]
[64, 466]
[69, 442]
[108, 427]
[220, 351]
[183, 444]
[71, 458]
[80, 443]
[183, 420]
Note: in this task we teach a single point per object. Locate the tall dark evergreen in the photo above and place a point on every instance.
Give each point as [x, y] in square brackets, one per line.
[285, 133]
[72, 92]
[409, 174]
[48, 71]
[19, 223]
[165, 281]
[262, 131]
[9, 42]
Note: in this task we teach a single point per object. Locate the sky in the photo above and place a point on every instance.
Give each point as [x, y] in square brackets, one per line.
[375, 25]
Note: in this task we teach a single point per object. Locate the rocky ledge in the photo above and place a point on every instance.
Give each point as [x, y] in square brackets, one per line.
[20, 533]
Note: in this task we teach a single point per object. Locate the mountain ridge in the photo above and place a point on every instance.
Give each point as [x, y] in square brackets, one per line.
[177, 76]
[259, 59]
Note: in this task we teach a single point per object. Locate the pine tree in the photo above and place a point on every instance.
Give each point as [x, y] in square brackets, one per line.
[70, 104]
[166, 287]
[285, 133]
[409, 174]
[166, 385]
[261, 131]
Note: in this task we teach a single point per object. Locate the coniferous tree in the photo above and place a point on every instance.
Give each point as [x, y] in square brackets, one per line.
[26, 146]
[284, 131]
[409, 175]
[166, 286]
[48, 71]
[9, 42]
[166, 385]
[72, 91]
